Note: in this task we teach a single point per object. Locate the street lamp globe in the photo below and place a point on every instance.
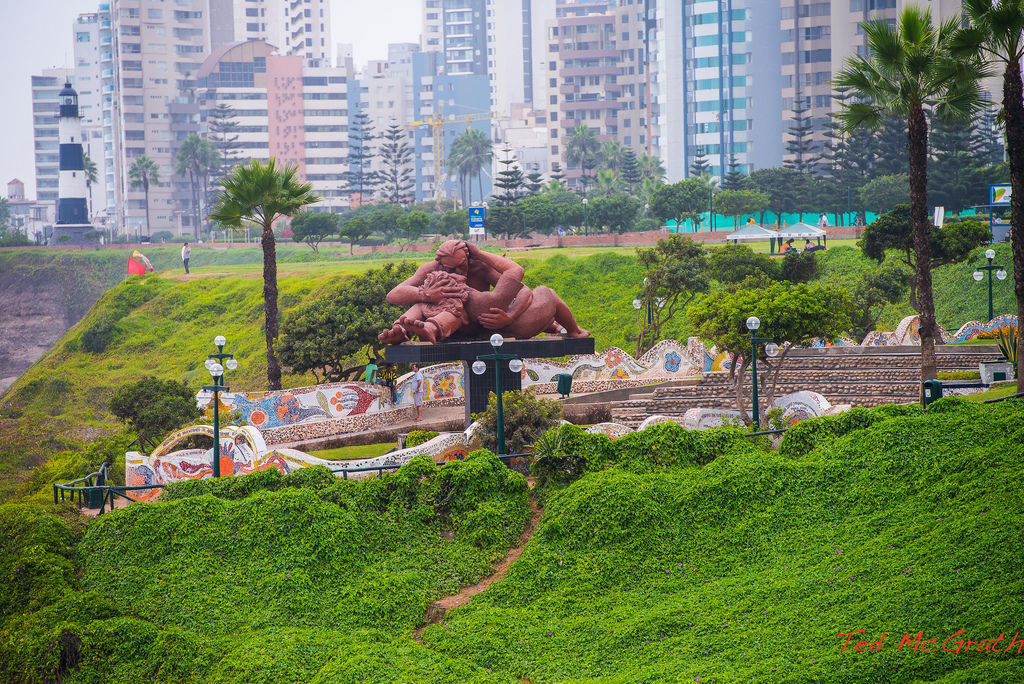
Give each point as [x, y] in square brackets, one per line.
[978, 275]
[1001, 274]
[232, 364]
[479, 367]
[637, 304]
[771, 349]
[990, 254]
[584, 200]
[209, 363]
[497, 340]
[515, 365]
[216, 370]
[219, 340]
[753, 323]
[660, 301]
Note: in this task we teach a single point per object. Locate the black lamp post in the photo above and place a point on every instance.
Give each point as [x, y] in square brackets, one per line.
[213, 364]
[771, 349]
[990, 254]
[585, 227]
[514, 364]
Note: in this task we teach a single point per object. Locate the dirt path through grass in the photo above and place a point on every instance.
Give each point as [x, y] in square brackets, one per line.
[438, 609]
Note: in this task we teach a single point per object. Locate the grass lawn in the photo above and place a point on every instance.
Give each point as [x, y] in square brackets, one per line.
[354, 452]
[994, 393]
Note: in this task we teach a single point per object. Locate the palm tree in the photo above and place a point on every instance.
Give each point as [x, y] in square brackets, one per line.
[196, 158]
[470, 154]
[143, 173]
[996, 34]
[651, 167]
[608, 184]
[91, 176]
[582, 147]
[260, 192]
[910, 65]
[613, 156]
[648, 188]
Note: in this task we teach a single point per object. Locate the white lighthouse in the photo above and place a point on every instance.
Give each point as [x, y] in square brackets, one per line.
[72, 187]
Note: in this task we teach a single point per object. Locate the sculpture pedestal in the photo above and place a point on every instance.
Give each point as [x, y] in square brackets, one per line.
[478, 387]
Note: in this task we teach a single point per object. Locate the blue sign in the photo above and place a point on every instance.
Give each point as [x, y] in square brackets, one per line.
[476, 217]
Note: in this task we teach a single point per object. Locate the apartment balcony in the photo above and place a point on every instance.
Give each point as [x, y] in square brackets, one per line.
[596, 53]
[589, 71]
[567, 89]
[588, 105]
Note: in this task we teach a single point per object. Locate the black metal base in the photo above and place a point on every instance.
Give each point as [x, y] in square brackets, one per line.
[478, 387]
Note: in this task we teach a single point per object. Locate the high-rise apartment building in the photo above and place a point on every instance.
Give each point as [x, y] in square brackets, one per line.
[136, 66]
[817, 39]
[285, 107]
[715, 85]
[597, 76]
[515, 51]
[456, 28]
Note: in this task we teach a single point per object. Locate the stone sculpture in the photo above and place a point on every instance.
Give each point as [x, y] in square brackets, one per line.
[452, 297]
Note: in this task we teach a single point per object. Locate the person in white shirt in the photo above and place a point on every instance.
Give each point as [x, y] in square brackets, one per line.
[823, 222]
[186, 254]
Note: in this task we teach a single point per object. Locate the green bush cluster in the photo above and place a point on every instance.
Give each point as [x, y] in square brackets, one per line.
[261, 577]
[959, 375]
[748, 568]
[417, 437]
[808, 435]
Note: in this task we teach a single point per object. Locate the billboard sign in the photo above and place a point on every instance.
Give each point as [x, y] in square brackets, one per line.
[999, 195]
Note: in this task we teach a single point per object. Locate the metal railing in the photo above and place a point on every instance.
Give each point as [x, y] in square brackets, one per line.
[93, 492]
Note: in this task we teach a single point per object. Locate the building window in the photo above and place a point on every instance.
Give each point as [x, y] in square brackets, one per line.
[82, 37]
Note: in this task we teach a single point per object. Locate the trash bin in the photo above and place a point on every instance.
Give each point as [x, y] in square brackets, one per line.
[931, 390]
[564, 384]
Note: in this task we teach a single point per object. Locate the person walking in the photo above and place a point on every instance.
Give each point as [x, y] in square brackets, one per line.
[417, 391]
[823, 222]
[186, 254]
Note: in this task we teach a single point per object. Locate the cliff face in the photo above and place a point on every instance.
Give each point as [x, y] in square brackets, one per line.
[41, 296]
[33, 316]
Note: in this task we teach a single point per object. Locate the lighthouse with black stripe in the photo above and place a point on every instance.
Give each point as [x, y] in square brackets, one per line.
[72, 207]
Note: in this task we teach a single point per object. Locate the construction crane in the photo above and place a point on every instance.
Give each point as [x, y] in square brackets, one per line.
[437, 121]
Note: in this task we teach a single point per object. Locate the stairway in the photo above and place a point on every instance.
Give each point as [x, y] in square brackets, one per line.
[861, 376]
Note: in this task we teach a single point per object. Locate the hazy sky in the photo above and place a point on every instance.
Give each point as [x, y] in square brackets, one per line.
[38, 35]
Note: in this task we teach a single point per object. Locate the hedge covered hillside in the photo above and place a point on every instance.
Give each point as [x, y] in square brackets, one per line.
[661, 567]
[748, 568]
[266, 579]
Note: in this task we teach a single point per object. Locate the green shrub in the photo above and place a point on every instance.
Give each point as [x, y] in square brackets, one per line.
[417, 437]
[959, 375]
[526, 418]
[802, 438]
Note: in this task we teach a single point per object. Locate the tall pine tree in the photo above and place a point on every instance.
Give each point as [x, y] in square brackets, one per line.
[700, 163]
[630, 170]
[802, 148]
[224, 136]
[734, 179]
[511, 182]
[362, 180]
[988, 142]
[395, 175]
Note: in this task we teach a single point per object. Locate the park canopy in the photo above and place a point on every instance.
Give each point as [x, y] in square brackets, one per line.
[751, 233]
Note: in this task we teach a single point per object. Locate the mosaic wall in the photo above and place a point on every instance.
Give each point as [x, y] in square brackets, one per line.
[243, 450]
[906, 333]
[666, 360]
[796, 407]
